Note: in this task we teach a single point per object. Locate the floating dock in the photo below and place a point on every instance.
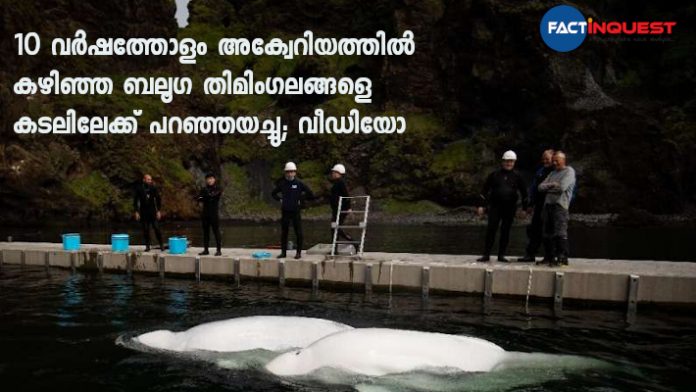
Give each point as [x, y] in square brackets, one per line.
[618, 281]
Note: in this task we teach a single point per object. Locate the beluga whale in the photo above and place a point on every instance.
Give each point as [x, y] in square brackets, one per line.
[273, 333]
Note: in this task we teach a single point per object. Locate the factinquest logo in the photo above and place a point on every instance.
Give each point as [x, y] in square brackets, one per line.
[564, 28]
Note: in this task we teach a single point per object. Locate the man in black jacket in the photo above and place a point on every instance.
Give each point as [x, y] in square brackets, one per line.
[210, 197]
[291, 192]
[536, 202]
[501, 194]
[147, 204]
[338, 190]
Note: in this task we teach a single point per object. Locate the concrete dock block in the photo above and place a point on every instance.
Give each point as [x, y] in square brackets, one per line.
[671, 289]
[395, 273]
[456, 278]
[175, 264]
[516, 281]
[35, 257]
[257, 268]
[59, 259]
[115, 261]
[144, 262]
[223, 266]
[298, 270]
[596, 286]
[12, 256]
[341, 271]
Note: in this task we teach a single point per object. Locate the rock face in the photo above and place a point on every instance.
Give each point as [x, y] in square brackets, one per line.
[481, 82]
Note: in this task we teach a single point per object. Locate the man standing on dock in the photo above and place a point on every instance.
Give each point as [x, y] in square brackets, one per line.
[210, 197]
[500, 193]
[338, 190]
[536, 202]
[147, 204]
[291, 192]
[559, 187]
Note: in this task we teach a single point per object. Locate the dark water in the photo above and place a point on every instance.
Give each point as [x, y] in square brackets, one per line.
[59, 332]
[641, 243]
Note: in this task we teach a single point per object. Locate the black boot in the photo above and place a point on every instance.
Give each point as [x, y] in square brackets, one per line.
[298, 255]
[282, 255]
[204, 253]
[502, 259]
[527, 259]
[548, 252]
[484, 258]
[563, 251]
[218, 252]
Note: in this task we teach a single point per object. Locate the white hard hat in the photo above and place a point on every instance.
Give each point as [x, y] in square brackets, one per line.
[290, 166]
[509, 156]
[340, 169]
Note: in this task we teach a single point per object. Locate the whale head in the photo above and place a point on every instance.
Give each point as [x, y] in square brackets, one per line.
[292, 363]
[161, 339]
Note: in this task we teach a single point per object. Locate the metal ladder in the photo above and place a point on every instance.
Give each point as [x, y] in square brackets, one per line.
[361, 225]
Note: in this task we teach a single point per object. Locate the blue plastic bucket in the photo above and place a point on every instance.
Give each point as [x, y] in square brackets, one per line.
[71, 241]
[177, 245]
[119, 242]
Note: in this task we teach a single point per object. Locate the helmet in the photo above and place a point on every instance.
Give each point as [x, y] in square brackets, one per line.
[340, 169]
[509, 156]
[290, 166]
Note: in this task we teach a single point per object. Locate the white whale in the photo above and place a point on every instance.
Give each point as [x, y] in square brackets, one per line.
[273, 333]
[379, 351]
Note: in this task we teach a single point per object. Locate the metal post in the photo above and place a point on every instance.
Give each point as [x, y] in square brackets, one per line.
[237, 277]
[281, 273]
[315, 276]
[368, 279]
[558, 293]
[633, 281]
[100, 262]
[425, 281]
[161, 265]
[198, 268]
[47, 262]
[488, 284]
[73, 262]
[23, 258]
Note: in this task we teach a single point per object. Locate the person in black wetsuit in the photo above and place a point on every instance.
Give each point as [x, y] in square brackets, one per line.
[291, 192]
[338, 190]
[501, 194]
[147, 204]
[536, 203]
[209, 196]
